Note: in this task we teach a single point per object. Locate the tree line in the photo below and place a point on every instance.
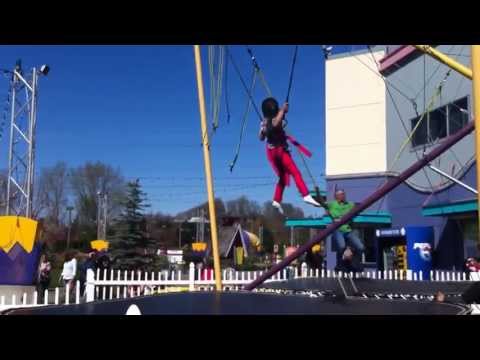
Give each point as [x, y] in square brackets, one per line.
[131, 229]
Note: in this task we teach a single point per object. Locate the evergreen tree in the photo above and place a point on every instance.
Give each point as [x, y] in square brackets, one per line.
[132, 247]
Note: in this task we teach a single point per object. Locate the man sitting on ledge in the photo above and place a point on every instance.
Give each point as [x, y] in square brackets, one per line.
[348, 244]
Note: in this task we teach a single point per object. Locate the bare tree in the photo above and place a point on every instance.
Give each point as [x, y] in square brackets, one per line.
[51, 193]
[38, 196]
[86, 181]
[243, 207]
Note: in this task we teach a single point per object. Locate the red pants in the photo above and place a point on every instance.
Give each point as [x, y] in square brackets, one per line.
[283, 165]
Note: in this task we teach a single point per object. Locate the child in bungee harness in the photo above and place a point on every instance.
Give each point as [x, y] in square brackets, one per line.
[278, 154]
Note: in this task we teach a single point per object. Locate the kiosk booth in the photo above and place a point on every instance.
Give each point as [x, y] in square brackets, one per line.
[406, 248]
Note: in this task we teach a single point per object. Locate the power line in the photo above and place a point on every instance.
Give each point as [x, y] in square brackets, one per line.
[242, 80]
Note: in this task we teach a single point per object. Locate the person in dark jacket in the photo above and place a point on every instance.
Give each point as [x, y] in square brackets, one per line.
[472, 294]
[89, 263]
[103, 261]
[469, 296]
[43, 281]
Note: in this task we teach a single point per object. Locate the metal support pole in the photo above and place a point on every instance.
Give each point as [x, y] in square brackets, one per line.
[208, 169]
[21, 154]
[444, 174]
[31, 149]
[438, 55]
[10, 151]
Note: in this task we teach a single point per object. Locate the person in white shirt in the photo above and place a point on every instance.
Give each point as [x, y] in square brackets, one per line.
[69, 270]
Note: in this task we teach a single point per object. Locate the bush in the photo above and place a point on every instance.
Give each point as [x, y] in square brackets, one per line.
[192, 257]
[159, 263]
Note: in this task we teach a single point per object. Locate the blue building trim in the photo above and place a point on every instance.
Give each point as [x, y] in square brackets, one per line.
[322, 193]
[381, 218]
[450, 209]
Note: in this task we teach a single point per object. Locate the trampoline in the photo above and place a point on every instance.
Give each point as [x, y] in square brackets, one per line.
[371, 288]
[248, 303]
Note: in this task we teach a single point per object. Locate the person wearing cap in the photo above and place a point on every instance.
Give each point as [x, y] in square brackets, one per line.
[346, 240]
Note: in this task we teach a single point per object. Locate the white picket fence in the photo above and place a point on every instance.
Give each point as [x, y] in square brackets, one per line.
[57, 296]
[108, 285]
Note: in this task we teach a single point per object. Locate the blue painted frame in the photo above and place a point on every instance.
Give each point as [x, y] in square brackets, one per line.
[382, 217]
[449, 209]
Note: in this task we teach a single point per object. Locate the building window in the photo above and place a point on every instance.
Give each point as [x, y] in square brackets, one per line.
[439, 123]
[421, 133]
[458, 115]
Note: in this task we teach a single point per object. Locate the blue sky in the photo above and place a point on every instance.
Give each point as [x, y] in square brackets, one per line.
[136, 108]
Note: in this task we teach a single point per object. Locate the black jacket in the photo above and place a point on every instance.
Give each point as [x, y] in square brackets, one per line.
[472, 294]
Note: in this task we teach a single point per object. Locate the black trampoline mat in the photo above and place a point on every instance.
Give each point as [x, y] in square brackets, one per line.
[365, 285]
[247, 303]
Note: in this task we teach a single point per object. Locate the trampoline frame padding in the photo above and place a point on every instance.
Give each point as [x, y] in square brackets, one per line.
[248, 303]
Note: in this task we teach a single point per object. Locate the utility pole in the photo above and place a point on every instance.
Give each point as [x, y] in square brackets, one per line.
[180, 236]
[292, 229]
[260, 230]
[69, 209]
[202, 231]
[102, 215]
[105, 209]
[197, 227]
[99, 204]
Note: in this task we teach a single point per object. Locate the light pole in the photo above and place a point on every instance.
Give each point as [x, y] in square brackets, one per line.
[69, 209]
[101, 215]
[99, 218]
[180, 236]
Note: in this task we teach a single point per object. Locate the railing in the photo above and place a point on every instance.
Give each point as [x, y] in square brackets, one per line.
[57, 296]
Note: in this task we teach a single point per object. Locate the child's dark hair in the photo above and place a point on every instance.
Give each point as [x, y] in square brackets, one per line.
[69, 255]
[270, 107]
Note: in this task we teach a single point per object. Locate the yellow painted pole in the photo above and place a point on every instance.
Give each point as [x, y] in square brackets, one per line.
[208, 168]
[476, 113]
[455, 65]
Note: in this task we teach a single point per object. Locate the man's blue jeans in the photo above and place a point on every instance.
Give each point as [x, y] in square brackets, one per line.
[342, 239]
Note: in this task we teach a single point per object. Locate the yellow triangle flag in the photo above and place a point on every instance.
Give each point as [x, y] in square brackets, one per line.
[15, 229]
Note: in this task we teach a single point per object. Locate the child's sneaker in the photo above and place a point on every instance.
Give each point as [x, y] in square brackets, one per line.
[310, 200]
[277, 205]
